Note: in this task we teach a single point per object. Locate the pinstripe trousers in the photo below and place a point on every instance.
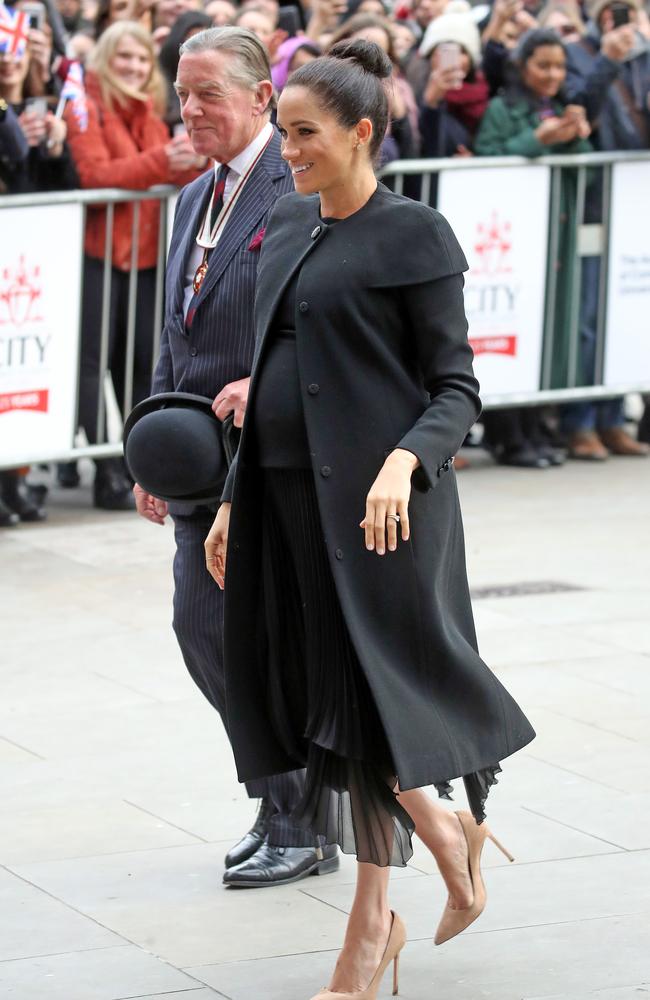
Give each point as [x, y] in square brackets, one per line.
[198, 624]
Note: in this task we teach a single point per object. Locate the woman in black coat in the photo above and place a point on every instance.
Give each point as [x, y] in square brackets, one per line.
[349, 650]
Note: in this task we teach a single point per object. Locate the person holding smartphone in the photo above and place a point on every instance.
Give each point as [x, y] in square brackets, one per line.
[456, 93]
[533, 118]
[609, 72]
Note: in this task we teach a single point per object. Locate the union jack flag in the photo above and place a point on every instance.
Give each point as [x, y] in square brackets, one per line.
[13, 32]
[73, 91]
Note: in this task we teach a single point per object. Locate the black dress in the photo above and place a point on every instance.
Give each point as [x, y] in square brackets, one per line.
[321, 707]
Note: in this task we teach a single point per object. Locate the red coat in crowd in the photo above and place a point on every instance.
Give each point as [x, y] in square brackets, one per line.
[123, 147]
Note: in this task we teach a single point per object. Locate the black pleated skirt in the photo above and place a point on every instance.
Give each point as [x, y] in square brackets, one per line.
[320, 704]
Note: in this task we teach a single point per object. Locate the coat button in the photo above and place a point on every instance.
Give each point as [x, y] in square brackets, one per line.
[313, 389]
[304, 307]
[339, 553]
[194, 351]
[325, 471]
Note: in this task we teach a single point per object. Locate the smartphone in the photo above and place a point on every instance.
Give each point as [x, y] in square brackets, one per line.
[620, 15]
[449, 54]
[35, 12]
[37, 106]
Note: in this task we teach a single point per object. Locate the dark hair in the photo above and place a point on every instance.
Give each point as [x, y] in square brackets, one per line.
[533, 40]
[348, 82]
[516, 89]
[358, 22]
[169, 55]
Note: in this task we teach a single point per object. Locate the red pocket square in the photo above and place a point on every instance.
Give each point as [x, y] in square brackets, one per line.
[256, 242]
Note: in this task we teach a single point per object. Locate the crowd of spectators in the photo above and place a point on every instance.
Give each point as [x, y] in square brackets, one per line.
[89, 102]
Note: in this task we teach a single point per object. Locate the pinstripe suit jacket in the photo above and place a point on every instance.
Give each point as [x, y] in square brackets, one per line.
[218, 348]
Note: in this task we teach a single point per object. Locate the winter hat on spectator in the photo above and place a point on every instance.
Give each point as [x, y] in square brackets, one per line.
[596, 8]
[456, 24]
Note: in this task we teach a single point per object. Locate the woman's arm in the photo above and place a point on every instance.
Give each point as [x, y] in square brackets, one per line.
[436, 315]
[96, 167]
[499, 134]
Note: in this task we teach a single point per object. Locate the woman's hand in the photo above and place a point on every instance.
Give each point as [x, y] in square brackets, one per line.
[440, 81]
[40, 45]
[216, 544]
[56, 130]
[577, 114]
[387, 502]
[180, 154]
[34, 127]
[556, 130]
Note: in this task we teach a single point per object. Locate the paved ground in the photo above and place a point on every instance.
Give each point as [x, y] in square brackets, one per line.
[119, 799]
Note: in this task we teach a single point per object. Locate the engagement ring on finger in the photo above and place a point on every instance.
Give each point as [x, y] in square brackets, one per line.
[395, 517]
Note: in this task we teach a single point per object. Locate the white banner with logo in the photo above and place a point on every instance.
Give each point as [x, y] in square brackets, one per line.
[500, 216]
[40, 296]
[627, 345]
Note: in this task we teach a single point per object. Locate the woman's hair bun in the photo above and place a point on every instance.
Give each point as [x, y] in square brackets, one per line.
[369, 56]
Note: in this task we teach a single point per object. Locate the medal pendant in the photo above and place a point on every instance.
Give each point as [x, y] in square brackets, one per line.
[201, 272]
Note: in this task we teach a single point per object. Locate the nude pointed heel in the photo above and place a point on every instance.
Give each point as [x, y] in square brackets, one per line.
[498, 844]
[453, 922]
[396, 941]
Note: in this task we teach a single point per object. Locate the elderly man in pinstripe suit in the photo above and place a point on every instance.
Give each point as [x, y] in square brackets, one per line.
[226, 96]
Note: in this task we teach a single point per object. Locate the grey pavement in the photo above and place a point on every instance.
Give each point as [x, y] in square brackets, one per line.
[119, 799]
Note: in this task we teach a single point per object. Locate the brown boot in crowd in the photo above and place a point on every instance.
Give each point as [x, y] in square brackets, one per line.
[587, 446]
[620, 442]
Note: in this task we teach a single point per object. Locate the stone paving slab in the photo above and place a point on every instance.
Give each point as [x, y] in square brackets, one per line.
[569, 958]
[34, 923]
[104, 974]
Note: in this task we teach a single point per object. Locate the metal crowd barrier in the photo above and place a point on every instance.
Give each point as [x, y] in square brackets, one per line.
[395, 173]
[593, 241]
[110, 197]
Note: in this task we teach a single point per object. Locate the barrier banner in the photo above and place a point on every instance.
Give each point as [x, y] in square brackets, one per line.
[627, 343]
[40, 297]
[500, 217]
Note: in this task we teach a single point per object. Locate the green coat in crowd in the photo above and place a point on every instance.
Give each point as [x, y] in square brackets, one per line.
[509, 130]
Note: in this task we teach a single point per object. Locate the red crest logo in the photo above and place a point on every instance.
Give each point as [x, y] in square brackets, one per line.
[493, 246]
[19, 294]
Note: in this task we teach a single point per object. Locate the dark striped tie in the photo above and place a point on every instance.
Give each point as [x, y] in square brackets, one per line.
[217, 197]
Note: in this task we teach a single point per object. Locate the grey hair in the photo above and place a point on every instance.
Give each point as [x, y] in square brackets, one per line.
[250, 64]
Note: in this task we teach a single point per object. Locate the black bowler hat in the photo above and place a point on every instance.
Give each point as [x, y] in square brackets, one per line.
[176, 449]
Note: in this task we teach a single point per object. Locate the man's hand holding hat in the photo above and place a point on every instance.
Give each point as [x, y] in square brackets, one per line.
[150, 507]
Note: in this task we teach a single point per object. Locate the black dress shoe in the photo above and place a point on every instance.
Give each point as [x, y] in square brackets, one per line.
[526, 457]
[253, 840]
[67, 475]
[7, 517]
[112, 489]
[281, 866]
[555, 456]
[18, 497]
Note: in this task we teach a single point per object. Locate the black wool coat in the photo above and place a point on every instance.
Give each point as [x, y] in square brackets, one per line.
[384, 362]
